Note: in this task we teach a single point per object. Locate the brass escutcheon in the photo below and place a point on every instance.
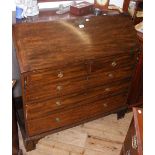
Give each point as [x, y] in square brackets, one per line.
[57, 119]
[110, 75]
[59, 87]
[58, 103]
[60, 75]
[107, 89]
[114, 63]
[105, 105]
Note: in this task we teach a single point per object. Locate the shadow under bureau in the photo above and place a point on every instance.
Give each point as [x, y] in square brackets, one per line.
[71, 75]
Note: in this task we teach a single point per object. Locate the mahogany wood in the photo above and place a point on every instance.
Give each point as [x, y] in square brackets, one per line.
[135, 97]
[66, 70]
[133, 144]
[30, 142]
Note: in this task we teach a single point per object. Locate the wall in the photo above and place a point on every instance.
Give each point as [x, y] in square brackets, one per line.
[15, 74]
[115, 2]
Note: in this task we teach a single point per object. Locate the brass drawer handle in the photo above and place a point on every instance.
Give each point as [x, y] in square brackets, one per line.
[58, 103]
[114, 63]
[60, 75]
[59, 87]
[134, 142]
[107, 89]
[105, 105]
[57, 119]
[110, 75]
[127, 152]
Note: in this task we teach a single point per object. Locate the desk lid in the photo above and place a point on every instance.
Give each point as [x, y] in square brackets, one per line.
[61, 42]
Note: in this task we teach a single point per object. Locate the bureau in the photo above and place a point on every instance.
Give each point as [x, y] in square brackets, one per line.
[70, 73]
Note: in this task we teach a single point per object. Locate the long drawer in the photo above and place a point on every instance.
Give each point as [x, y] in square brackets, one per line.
[49, 106]
[74, 115]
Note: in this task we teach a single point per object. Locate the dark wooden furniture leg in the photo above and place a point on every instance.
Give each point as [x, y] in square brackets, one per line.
[15, 139]
[121, 113]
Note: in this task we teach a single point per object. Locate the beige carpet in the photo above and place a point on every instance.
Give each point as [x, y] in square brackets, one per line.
[103, 136]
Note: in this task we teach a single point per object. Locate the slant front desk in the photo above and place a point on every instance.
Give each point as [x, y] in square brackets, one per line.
[73, 71]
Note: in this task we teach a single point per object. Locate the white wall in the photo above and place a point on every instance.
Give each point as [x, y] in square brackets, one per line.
[56, 4]
[117, 2]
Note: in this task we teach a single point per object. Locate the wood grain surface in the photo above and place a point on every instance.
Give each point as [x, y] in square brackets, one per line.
[68, 70]
[65, 40]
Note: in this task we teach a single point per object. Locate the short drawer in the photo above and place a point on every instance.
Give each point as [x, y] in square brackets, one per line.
[109, 76]
[50, 76]
[74, 115]
[49, 106]
[111, 63]
[48, 91]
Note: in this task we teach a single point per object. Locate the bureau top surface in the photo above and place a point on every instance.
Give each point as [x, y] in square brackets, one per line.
[61, 42]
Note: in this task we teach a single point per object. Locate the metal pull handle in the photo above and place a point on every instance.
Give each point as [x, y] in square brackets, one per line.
[25, 84]
[58, 103]
[60, 75]
[107, 89]
[59, 88]
[134, 142]
[128, 152]
[110, 75]
[105, 105]
[114, 63]
[57, 119]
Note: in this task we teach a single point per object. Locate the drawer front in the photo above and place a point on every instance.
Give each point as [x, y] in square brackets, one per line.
[47, 107]
[49, 76]
[48, 91]
[111, 63]
[109, 76]
[75, 115]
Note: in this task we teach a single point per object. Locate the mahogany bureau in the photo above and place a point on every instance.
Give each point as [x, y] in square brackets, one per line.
[71, 75]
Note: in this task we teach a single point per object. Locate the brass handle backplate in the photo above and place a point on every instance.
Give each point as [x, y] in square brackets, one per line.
[60, 75]
[107, 89]
[105, 104]
[110, 75]
[59, 87]
[57, 119]
[58, 103]
[114, 63]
